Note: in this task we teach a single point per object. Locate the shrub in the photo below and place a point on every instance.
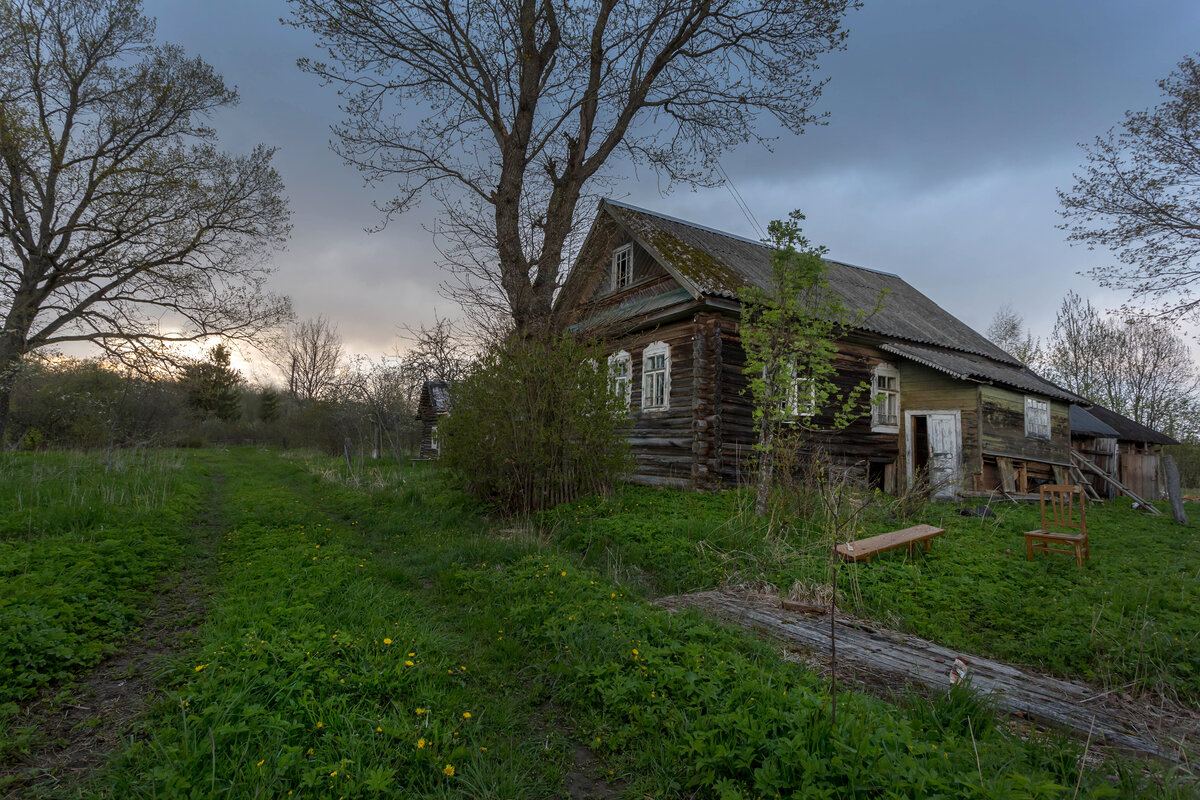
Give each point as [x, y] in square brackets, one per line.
[536, 424]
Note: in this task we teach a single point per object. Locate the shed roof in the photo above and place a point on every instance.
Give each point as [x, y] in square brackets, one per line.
[1084, 423]
[437, 395]
[966, 366]
[1128, 430]
[710, 262]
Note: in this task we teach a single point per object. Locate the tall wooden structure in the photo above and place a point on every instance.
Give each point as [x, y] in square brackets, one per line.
[662, 294]
[432, 406]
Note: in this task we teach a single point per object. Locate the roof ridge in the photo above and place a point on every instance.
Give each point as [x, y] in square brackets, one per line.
[736, 237]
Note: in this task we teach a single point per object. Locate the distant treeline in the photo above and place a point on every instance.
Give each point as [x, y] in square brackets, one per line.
[84, 403]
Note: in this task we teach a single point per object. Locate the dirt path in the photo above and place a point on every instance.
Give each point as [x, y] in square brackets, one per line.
[76, 733]
[883, 658]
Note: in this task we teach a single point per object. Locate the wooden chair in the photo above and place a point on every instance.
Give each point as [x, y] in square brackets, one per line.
[1061, 501]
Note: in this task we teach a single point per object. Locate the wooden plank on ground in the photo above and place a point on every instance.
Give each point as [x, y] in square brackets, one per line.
[897, 659]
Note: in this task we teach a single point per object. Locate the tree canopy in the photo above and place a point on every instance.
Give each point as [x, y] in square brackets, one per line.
[507, 112]
[121, 222]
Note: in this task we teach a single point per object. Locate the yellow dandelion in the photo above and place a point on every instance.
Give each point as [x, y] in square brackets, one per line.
[387, 641]
[408, 663]
[259, 764]
[202, 666]
[320, 724]
[449, 770]
[466, 715]
[379, 730]
[420, 711]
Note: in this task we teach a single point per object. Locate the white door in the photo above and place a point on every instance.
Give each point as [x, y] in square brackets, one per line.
[945, 454]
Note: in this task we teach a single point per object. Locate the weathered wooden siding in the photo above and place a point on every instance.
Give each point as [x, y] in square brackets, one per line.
[925, 389]
[645, 269]
[1002, 427]
[855, 445]
[662, 441]
[428, 418]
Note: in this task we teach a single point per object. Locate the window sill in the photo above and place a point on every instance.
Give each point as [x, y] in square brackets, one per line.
[885, 429]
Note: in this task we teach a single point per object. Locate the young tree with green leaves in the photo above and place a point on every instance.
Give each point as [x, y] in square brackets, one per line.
[789, 331]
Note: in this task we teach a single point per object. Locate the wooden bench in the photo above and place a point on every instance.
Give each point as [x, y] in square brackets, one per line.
[863, 549]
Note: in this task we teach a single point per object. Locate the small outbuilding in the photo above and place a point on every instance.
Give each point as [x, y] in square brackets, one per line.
[1128, 450]
[433, 405]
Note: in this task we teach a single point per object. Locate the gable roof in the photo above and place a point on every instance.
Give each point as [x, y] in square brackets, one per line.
[436, 394]
[709, 262]
[1129, 430]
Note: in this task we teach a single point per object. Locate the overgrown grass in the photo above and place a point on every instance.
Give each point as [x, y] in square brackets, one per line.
[397, 643]
[83, 537]
[1127, 619]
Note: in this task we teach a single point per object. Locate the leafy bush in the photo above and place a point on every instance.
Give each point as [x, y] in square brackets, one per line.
[536, 424]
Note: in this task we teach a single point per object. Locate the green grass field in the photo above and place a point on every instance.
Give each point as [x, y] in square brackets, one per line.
[392, 641]
[1127, 619]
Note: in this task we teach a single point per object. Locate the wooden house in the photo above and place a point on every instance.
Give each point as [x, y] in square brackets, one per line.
[1128, 450]
[433, 405]
[662, 294]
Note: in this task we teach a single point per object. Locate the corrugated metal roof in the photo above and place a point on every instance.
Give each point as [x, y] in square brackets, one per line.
[716, 263]
[1128, 429]
[1085, 424]
[965, 366]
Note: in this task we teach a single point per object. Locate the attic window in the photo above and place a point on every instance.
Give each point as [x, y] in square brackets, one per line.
[656, 377]
[620, 375]
[885, 399]
[622, 266]
[1037, 418]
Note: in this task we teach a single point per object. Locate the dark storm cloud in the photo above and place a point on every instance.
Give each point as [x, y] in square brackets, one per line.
[951, 124]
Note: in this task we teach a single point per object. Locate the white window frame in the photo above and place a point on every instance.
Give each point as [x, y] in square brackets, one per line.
[1037, 418]
[435, 444]
[621, 383]
[879, 421]
[801, 400]
[622, 266]
[649, 377]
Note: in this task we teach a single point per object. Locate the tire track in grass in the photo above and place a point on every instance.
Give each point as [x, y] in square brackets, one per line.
[328, 670]
[77, 728]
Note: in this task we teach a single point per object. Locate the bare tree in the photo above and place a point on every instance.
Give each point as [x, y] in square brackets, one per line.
[310, 356]
[439, 352]
[1139, 195]
[121, 223]
[1138, 367]
[526, 102]
[1007, 330]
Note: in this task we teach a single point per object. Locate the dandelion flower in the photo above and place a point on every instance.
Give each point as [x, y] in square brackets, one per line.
[420, 711]
[379, 730]
[320, 724]
[449, 770]
[466, 715]
[408, 663]
[420, 743]
[202, 666]
[387, 641]
[259, 764]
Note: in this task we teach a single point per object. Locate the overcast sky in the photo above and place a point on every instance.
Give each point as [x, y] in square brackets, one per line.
[951, 125]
